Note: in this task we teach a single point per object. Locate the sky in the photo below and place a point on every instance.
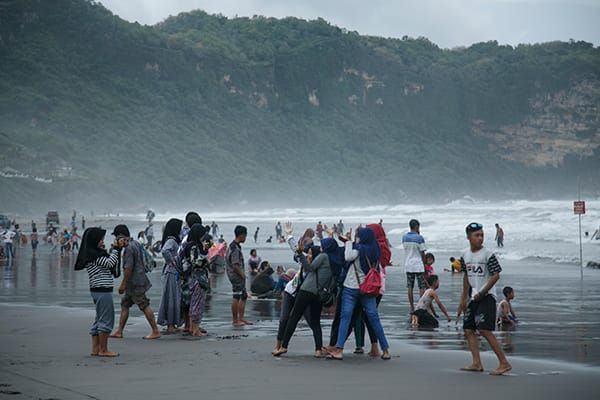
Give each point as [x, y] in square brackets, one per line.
[448, 23]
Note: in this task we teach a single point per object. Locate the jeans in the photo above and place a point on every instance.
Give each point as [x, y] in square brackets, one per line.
[305, 301]
[335, 325]
[105, 313]
[350, 297]
[359, 326]
[8, 250]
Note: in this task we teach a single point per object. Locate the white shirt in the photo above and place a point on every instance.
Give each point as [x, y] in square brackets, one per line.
[8, 236]
[351, 255]
[480, 266]
[413, 244]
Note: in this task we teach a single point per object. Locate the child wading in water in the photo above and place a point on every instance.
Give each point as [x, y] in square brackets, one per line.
[423, 317]
[481, 273]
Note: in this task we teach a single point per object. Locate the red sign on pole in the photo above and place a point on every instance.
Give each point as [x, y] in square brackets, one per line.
[579, 207]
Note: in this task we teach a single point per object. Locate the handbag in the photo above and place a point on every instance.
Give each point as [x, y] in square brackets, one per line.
[371, 286]
[328, 292]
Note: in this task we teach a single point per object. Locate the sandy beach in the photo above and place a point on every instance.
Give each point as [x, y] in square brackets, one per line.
[44, 354]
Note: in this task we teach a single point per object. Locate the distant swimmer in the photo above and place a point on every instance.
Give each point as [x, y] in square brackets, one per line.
[454, 265]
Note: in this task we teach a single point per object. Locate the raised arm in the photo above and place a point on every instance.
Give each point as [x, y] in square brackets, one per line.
[350, 254]
[317, 263]
[109, 262]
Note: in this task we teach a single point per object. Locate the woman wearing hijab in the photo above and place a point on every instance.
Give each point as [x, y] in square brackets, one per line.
[318, 273]
[169, 313]
[385, 256]
[362, 255]
[195, 267]
[101, 267]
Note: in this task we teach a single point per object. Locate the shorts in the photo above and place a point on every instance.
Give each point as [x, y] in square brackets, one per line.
[138, 299]
[238, 286]
[426, 320]
[410, 280]
[481, 315]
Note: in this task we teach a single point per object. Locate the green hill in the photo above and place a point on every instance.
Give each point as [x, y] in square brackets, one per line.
[209, 111]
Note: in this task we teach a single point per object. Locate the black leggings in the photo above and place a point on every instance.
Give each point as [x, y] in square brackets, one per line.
[305, 301]
[287, 303]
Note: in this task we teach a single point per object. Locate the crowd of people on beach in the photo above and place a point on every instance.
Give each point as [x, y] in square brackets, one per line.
[339, 270]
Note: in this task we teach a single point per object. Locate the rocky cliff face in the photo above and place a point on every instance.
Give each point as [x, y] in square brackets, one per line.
[560, 124]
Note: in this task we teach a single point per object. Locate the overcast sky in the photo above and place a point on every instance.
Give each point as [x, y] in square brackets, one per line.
[448, 23]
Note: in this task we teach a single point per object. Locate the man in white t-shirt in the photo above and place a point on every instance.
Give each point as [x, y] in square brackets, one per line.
[414, 261]
[7, 239]
[481, 271]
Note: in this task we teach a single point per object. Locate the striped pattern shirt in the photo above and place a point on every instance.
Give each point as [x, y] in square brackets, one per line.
[100, 271]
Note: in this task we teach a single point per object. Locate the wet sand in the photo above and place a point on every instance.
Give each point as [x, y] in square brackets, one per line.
[44, 354]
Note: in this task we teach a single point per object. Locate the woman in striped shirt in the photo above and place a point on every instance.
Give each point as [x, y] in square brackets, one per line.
[101, 267]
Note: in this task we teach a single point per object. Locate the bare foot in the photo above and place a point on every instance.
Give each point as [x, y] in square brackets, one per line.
[319, 354]
[337, 354]
[108, 354]
[329, 349]
[502, 369]
[359, 350]
[117, 335]
[473, 368]
[374, 353]
[153, 335]
[93, 354]
[280, 352]
[238, 324]
[246, 322]
[172, 331]
[386, 355]
[276, 350]
[198, 333]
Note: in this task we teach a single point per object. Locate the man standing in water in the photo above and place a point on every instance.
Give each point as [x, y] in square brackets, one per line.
[237, 277]
[278, 231]
[134, 285]
[256, 234]
[478, 302]
[414, 261]
[499, 236]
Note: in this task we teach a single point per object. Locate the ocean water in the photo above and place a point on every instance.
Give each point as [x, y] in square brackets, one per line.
[559, 313]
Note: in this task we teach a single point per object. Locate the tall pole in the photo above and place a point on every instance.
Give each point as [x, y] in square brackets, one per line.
[580, 243]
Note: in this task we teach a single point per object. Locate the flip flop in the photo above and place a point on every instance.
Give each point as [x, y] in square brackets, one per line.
[359, 351]
[386, 358]
[279, 353]
[332, 357]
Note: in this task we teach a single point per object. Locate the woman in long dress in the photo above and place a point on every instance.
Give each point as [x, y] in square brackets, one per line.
[169, 313]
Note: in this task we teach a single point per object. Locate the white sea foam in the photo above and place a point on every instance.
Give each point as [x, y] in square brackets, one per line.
[543, 229]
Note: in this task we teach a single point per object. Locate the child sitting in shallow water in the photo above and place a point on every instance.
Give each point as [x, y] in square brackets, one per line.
[423, 317]
[506, 316]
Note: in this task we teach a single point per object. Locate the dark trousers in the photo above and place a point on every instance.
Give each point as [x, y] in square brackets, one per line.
[305, 301]
[287, 303]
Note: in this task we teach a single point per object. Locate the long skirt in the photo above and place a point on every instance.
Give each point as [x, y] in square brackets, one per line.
[197, 301]
[169, 312]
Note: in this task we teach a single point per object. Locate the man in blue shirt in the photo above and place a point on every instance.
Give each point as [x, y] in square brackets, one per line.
[414, 260]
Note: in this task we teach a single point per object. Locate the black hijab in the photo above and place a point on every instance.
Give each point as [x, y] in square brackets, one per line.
[192, 218]
[195, 237]
[172, 229]
[89, 250]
